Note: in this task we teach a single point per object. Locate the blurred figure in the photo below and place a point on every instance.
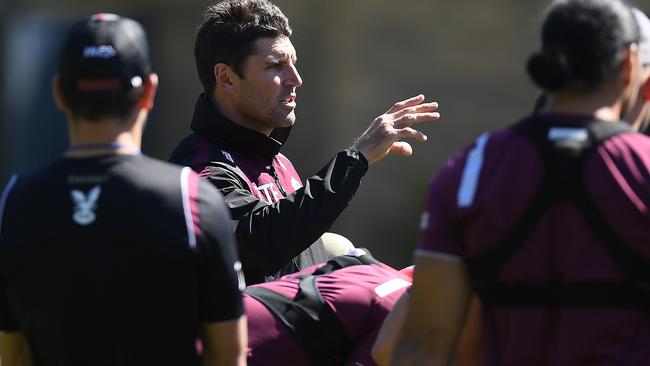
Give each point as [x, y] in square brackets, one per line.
[323, 315]
[247, 65]
[639, 113]
[547, 220]
[109, 257]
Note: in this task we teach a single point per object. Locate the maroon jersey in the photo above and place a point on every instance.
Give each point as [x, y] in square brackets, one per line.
[361, 296]
[477, 198]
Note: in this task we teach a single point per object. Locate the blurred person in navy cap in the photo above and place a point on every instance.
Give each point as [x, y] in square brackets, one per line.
[107, 256]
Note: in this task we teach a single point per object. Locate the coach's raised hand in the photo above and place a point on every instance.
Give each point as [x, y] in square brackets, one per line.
[385, 134]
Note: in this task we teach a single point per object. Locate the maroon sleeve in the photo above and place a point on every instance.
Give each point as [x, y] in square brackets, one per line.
[439, 229]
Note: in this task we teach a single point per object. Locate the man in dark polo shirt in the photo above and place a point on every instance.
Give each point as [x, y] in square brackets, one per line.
[547, 220]
[247, 65]
[109, 257]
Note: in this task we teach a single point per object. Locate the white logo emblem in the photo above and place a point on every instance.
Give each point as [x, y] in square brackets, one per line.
[268, 193]
[103, 51]
[84, 210]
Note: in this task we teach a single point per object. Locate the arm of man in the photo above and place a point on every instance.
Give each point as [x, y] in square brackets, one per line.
[224, 343]
[470, 343]
[384, 345]
[269, 235]
[439, 300]
[223, 332]
[14, 350]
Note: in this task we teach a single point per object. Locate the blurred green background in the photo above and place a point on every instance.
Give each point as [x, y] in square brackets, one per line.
[357, 57]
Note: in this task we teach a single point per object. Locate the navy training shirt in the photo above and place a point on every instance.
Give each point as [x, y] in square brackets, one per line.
[115, 260]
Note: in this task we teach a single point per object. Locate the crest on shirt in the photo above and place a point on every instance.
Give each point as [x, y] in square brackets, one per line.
[84, 205]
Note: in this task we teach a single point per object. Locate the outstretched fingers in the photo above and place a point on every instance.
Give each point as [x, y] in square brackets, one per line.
[406, 103]
[411, 119]
[420, 108]
[412, 133]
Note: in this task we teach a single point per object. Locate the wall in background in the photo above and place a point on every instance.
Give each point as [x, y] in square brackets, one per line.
[355, 57]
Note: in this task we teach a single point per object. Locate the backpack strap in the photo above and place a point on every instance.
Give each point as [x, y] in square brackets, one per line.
[311, 321]
[564, 150]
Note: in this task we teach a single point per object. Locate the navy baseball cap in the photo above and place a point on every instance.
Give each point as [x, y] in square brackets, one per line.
[104, 53]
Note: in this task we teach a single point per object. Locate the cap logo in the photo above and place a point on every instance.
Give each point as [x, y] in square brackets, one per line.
[103, 51]
[104, 17]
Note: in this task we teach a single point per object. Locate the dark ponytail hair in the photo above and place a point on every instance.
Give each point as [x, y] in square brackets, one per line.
[582, 44]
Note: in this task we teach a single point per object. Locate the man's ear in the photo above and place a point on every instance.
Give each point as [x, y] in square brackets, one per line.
[225, 77]
[631, 65]
[57, 92]
[150, 86]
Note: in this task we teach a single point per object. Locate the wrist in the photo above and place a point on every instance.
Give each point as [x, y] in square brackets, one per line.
[355, 153]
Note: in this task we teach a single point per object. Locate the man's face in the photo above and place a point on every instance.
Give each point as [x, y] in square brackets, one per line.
[265, 95]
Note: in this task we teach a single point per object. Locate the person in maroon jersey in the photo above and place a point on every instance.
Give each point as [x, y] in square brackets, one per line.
[353, 295]
[547, 220]
[107, 256]
[247, 65]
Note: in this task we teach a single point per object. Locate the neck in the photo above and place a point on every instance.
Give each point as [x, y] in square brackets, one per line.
[605, 104]
[105, 136]
[228, 109]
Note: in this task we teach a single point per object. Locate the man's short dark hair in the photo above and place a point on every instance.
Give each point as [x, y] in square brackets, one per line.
[583, 42]
[95, 106]
[228, 33]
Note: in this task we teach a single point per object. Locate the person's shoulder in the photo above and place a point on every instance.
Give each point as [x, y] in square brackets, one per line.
[151, 174]
[627, 149]
[633, 140]
[156, 166]
[35, 178]
[483, 146]
[198, 149]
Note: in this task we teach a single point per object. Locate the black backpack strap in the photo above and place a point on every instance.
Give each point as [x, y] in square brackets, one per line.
[633, 264]
[585, 295]
[312, 322]
[562, 180]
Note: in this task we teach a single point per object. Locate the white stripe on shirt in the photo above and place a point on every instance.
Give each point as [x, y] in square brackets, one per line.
[187, 209]
[472, 172]
[5, 196]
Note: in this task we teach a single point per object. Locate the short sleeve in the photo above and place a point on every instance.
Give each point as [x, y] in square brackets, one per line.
[440, 231]
[8, 321]
[222, 278]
